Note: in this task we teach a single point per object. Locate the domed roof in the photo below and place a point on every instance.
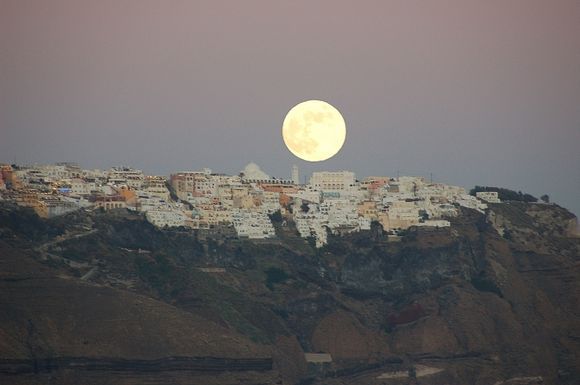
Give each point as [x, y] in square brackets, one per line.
[253, 172]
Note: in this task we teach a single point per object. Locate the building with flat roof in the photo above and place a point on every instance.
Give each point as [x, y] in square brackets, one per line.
[333, 180]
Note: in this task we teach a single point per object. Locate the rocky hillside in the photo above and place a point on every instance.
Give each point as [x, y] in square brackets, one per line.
[105, 298]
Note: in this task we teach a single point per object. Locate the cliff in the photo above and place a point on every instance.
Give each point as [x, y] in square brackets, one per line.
[106, 298]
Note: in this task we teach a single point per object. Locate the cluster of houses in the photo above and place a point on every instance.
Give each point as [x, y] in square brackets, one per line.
[332, 202]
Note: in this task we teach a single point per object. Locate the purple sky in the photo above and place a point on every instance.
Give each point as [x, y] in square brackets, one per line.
[475, 92]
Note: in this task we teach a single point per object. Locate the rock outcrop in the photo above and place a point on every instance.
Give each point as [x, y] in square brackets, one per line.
[98, 298]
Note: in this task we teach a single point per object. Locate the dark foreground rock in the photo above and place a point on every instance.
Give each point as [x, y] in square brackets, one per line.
[100, 298]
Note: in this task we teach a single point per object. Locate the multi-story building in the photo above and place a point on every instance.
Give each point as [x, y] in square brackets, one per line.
[471, 202]
[58, 171]
[54, 206]
[368, 209]
[80, 186]
[110, 202]
[252, 224]
[155, 186]
[270, 201]
[166, 217]
[198, 183]
[400, 215]
[374, 185]
[126, 176]
[8, 176]
[333, 180]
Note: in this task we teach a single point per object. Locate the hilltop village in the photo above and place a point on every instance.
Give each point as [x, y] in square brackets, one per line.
[332, 202]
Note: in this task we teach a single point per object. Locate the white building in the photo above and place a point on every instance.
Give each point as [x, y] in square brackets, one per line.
[270, 201]
[162, 217]
[253, 173]
[312, 223]
[60, 171]
[81, 187]
[410, 184]
[252, 224]
[488, 196]
[471, 202]
[155, 186]
[333, 180]
[307, 195]
[295, 175]
[126, 176]
[402, 215]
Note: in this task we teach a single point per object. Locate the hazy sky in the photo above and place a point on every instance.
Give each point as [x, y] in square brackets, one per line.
[475, 92]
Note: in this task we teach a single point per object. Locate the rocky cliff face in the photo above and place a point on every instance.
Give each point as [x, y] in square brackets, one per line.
[106, 298]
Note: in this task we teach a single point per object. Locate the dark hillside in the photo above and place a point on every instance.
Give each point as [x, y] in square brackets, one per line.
[495, 299]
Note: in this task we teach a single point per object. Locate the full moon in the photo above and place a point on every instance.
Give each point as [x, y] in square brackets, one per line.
[314, 130]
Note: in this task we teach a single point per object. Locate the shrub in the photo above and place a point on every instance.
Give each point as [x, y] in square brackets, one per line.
[276, 216]
[505, 194]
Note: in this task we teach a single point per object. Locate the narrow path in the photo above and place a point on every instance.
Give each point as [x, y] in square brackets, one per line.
[67, 237]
